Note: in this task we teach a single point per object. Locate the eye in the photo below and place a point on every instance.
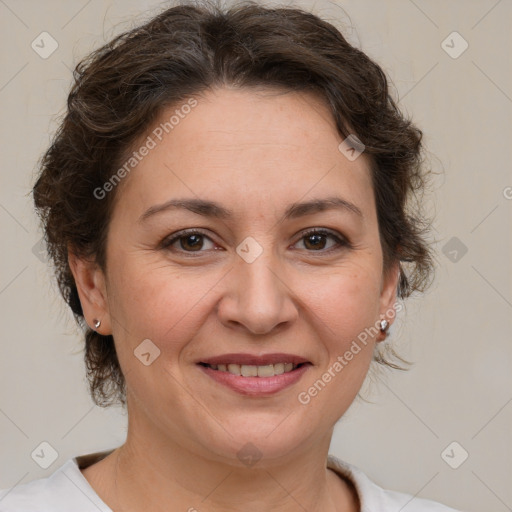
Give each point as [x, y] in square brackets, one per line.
[191, 240]
[315, 240]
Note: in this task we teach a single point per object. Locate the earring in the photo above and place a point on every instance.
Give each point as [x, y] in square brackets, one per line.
[97, 323]
[384, 324]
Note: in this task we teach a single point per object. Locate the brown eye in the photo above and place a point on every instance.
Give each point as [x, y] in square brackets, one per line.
[317, 240]
[188, 241]
[191, 242]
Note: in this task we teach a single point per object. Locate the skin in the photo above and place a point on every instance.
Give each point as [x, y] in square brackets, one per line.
[254, 151]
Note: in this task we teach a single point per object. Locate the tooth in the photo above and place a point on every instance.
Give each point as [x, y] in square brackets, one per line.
[234, 369]
[278, 368]
[266, 371]
[249, 370]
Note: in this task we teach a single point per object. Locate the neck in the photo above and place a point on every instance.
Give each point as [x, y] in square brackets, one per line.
[155, 473]
[190, 482]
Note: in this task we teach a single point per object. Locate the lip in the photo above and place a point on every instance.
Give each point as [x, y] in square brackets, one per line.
[256, 360]
[256, 386]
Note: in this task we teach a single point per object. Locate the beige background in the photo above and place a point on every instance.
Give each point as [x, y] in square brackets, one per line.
[458, 333]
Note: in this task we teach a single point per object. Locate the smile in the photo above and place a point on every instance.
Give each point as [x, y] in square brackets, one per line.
[256, 376]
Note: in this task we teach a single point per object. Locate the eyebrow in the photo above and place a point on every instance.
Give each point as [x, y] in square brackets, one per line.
[215, 210]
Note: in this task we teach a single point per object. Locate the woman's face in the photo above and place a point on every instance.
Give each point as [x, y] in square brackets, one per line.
[249, 287]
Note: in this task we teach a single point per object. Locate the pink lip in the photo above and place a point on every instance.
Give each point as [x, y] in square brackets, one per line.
[256, 386]
[256, 360]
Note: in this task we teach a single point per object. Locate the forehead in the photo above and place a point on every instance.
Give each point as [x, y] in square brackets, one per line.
[247, 146]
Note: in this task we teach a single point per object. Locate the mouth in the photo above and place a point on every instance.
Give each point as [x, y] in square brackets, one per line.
[255, 375]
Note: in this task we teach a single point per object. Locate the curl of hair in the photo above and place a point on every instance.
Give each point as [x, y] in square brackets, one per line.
[120, 89]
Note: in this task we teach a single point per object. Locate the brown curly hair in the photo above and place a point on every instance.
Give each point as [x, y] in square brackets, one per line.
[120, 89]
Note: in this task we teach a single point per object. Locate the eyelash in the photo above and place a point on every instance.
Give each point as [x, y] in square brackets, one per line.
[340, 241]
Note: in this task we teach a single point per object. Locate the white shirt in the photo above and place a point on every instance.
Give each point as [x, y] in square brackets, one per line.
[67, 490]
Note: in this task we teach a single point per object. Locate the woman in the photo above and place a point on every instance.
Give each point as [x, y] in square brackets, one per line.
[226, 203]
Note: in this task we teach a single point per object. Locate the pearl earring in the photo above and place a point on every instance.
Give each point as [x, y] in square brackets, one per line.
[384, 324]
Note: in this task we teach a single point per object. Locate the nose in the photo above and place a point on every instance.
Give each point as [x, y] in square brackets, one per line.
[259, 297]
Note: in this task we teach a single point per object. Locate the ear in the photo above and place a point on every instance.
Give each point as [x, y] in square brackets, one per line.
[91, 285]
[388, 295]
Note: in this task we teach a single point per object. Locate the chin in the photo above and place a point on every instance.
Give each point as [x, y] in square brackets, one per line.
[261, 438]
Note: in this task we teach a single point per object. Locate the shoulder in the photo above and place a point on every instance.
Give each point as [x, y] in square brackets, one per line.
[373, 497]
[64, 490]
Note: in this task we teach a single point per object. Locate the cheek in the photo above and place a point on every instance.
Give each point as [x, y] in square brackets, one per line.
[346, 300]
[346, 314]
[157, 303]
[346, 317]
